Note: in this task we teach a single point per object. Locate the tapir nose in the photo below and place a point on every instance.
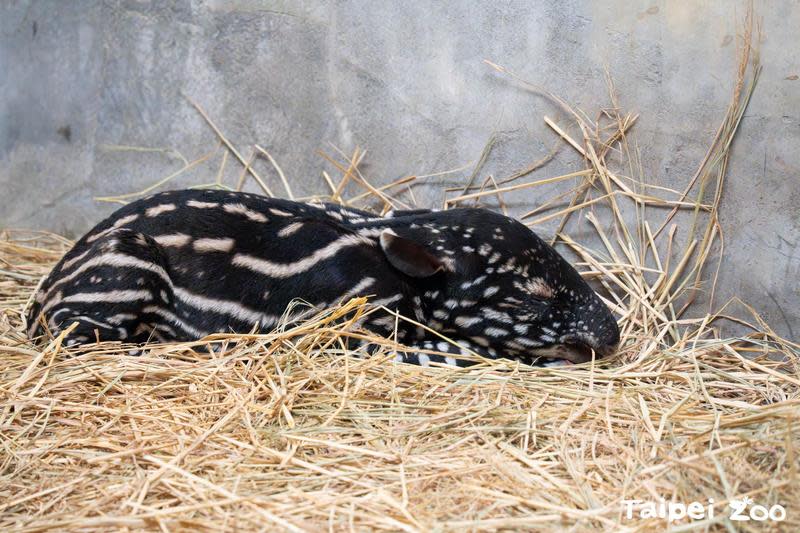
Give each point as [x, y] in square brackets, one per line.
[604, 341]
[605, 332]
[608, 340]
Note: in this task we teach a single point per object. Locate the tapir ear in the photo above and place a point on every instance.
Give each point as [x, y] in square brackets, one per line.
[409, 256]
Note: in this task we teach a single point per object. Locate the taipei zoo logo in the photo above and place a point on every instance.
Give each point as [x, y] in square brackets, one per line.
[738, 510]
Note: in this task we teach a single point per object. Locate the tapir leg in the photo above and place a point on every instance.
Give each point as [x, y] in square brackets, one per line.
[111, 296]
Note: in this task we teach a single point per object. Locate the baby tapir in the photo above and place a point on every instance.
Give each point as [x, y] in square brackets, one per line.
[183, 264]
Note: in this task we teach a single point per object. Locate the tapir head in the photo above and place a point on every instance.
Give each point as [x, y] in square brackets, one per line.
[497, 284]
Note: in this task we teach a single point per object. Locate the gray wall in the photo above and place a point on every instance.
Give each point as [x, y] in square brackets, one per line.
[406, 80]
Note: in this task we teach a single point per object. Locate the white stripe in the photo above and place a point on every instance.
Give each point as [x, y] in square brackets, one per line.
[166, 329]
[62, 310]
[213, 245]
[113, 260]
[371, 232]
[290, 229]
[176, 239]
[279, 213]
[51, 302]
[241, 209]
[74, 260]
[109, 296]
[174, 320]
[225, 307]
[386, 301]
[286, 270]
[118, 224]
[201, 205]
[157, 210]
[120, 318]
[84, 318]
[358, 289]
[51, 320]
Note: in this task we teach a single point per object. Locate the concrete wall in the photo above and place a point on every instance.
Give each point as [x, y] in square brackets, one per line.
[406, 80]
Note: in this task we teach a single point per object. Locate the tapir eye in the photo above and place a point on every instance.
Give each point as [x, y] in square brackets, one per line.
[539, 289]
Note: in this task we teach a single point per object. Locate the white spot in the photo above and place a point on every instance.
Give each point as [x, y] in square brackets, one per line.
[480, 341]
[467, 321]
[476, 281]
[539, 287]
[490, 291]
[500, 316]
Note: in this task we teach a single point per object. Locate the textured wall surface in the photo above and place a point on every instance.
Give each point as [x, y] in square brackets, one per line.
[92, 102]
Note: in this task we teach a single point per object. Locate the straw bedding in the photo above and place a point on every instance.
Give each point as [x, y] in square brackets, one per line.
[292, 431]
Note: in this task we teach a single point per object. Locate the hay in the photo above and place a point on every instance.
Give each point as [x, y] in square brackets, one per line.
[289, 431]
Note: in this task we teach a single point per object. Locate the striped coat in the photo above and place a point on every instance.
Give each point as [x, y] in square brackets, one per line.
[183, 264]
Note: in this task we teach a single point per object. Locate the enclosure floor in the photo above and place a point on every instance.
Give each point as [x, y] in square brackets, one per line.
[285, 431]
